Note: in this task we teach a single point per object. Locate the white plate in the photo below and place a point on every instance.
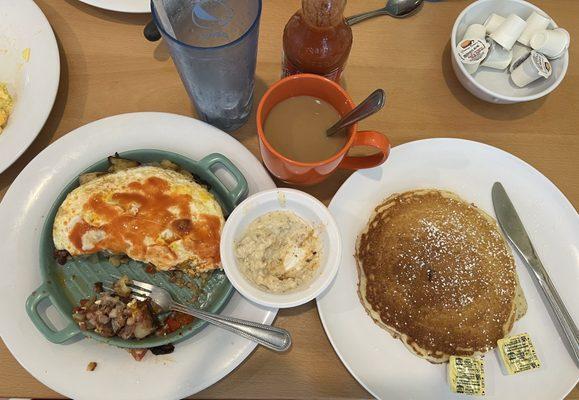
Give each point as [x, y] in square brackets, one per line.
[382, 364]
[196, 363]
[33, 84]
[128, 6]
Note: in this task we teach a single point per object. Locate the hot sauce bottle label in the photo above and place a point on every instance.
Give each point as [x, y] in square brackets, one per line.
[518, 353]
[289, 69]
[466, 375]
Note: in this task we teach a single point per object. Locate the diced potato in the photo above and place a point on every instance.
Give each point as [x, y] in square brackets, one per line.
[138, 354]
[169, 165]
[115, 261]
[117, 163]
[186, 174]
[121, 288]
[89, 176]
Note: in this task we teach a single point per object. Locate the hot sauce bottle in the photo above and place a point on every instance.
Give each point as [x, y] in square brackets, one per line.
[317, 39]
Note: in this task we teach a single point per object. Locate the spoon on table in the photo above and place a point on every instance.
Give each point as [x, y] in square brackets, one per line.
[393, 8]
[371, 105]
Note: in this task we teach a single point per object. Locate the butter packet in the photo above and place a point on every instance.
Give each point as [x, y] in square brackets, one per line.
[466, 375]
[518, 353]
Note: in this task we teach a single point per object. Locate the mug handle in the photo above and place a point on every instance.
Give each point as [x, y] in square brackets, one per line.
[371, 139]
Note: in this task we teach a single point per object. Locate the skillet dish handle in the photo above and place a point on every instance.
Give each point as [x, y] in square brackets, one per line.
[235, 194]
[32, 303]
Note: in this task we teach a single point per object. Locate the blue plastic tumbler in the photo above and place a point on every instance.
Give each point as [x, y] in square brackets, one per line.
[213, 43]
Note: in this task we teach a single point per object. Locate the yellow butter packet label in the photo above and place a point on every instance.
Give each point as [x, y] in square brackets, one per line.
[518, 353]
[466, 375]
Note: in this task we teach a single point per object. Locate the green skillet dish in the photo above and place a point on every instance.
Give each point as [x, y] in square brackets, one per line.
[65, 285]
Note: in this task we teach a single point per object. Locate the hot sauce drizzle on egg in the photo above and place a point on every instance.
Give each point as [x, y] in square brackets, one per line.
[143, 222]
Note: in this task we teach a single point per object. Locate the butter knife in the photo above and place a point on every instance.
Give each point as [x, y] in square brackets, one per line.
[514, 230]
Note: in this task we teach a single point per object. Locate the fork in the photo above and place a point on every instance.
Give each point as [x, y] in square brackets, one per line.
[269, 336]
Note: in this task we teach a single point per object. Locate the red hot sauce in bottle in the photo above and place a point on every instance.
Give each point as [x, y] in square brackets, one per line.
[317, 39]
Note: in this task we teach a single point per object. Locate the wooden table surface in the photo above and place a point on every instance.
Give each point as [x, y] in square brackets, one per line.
[107, 68]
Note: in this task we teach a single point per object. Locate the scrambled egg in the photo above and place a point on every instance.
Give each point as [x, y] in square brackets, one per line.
[26, 54]
[6, 104]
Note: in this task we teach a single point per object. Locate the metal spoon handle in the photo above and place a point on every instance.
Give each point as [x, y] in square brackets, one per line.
[269, 336]
[354, 19]
[371, 105]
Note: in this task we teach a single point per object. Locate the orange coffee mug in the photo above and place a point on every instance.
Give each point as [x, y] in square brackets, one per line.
[309, 173]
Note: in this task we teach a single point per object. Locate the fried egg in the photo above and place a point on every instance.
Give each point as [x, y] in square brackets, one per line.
[151, 214]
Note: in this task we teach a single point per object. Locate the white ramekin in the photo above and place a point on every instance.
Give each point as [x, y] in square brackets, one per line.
[308, 208]
[492, 85]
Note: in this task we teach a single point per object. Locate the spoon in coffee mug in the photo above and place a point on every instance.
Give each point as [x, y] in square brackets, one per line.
[371, 105]
[393, 8]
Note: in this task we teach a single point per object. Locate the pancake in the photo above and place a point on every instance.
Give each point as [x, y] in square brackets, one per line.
[435, 272]
[151, 214]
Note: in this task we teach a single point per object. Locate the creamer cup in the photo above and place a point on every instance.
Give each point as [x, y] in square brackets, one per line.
[534, 67]
[471, 52]
[493, 22]
[520, 54]
[497, 58]
[535, 23]
[509, 31]
[475, 31]
[552, 43]
[473, 36]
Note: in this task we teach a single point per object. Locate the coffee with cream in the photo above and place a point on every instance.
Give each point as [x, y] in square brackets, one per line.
[296, 128]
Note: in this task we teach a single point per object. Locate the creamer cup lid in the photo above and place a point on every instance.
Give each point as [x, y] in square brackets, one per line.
[472, 51]
[552, 43]
[566, 33]
[542, 64]
[519, 57]
[536, 22]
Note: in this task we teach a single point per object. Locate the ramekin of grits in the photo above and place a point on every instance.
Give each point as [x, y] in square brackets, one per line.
[280, 248]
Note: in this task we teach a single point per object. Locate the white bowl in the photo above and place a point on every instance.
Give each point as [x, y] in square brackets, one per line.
[492, 85]
[308, 208]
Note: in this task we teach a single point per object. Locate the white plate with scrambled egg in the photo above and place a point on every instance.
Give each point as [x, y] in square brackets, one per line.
[197, 362]
[29, 76]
